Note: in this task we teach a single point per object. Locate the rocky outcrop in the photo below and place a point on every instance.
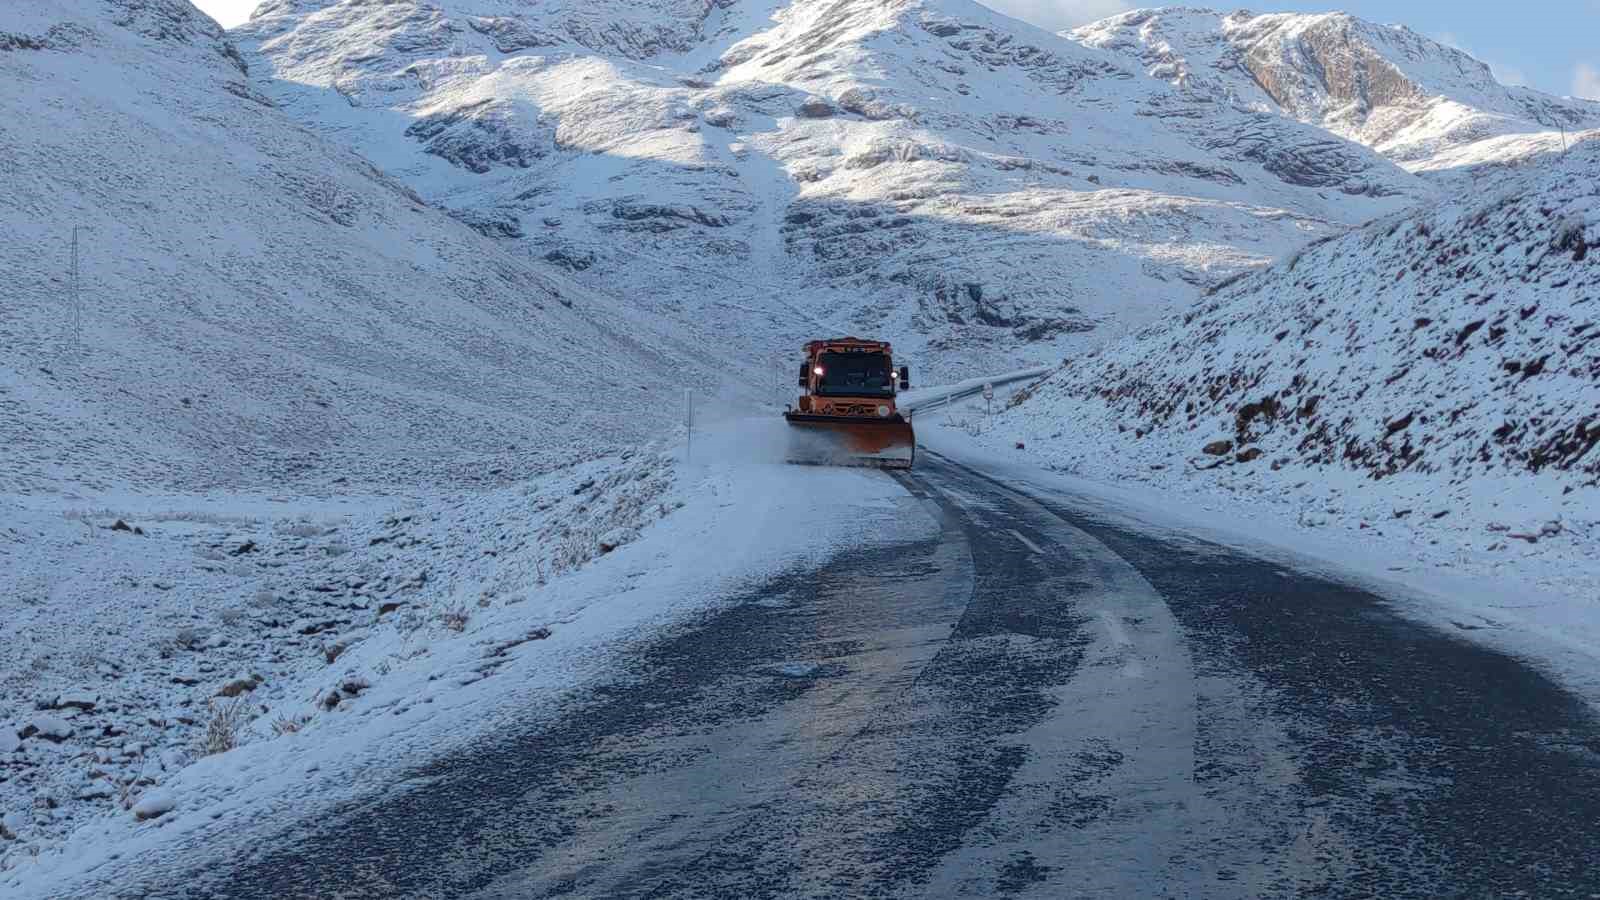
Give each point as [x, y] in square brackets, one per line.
[1331, 61]
[1384, 86]
[178, 22]
[511, 34]
[479, 137]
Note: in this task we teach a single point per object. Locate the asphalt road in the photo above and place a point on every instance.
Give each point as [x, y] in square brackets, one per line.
[1031, 704]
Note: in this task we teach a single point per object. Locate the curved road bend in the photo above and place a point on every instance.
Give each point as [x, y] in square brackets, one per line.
[1032, 705]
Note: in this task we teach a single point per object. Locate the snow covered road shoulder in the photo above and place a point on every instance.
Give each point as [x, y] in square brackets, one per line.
[352, 647]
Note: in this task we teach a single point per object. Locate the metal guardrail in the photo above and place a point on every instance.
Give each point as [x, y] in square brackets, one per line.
[968, 390]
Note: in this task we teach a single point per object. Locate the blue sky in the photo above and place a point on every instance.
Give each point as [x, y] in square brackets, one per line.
[1552, 45]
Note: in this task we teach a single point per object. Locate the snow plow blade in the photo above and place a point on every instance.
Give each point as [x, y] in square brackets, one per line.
[850, 441]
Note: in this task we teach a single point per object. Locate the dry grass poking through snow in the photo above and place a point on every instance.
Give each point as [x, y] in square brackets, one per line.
[318, 612]
[225, 726]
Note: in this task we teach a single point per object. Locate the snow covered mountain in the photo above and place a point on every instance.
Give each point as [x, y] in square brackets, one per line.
[1448, 357]
[261, 306]
[1425, 105]
[927, 169]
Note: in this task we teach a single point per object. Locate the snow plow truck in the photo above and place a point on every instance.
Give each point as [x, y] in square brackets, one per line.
[846, 414]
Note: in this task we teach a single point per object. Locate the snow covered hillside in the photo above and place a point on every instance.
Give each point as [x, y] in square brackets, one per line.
[315, 427]
[1427, 106]
[260, 306]
[1435, 373]
[921, 168]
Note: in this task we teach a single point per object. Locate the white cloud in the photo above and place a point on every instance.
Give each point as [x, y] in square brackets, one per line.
[228, 13]
[1057, 15]
[1586, 82]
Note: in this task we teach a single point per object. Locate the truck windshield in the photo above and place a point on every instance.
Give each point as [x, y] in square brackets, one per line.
[855, 375]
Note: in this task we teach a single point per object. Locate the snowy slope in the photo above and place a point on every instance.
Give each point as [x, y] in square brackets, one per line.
[927, 169]
[1435, 374]
[1426, 105]
[261, 307]
[296, 448]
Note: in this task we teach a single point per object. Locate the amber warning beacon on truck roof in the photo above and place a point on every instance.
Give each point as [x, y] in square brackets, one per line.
[846, 413]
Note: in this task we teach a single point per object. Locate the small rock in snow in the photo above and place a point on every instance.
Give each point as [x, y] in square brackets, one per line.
[815, 108]
[83, 701]
[51, 728]
[153, 804]
[613, 539]
[238, 686]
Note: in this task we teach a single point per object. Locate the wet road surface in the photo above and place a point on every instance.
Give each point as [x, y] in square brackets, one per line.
[1031, 704]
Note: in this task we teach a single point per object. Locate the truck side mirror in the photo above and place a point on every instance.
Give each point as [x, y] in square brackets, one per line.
[804, 373]
[905, 377]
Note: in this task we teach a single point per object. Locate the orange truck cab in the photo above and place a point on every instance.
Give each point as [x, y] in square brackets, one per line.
[846, 413]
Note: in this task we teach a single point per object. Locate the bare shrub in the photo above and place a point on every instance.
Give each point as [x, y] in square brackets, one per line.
[332, 650]
[283, 725]
[1022, 396]
[577, 547]
[225, 726]
[455, 618]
